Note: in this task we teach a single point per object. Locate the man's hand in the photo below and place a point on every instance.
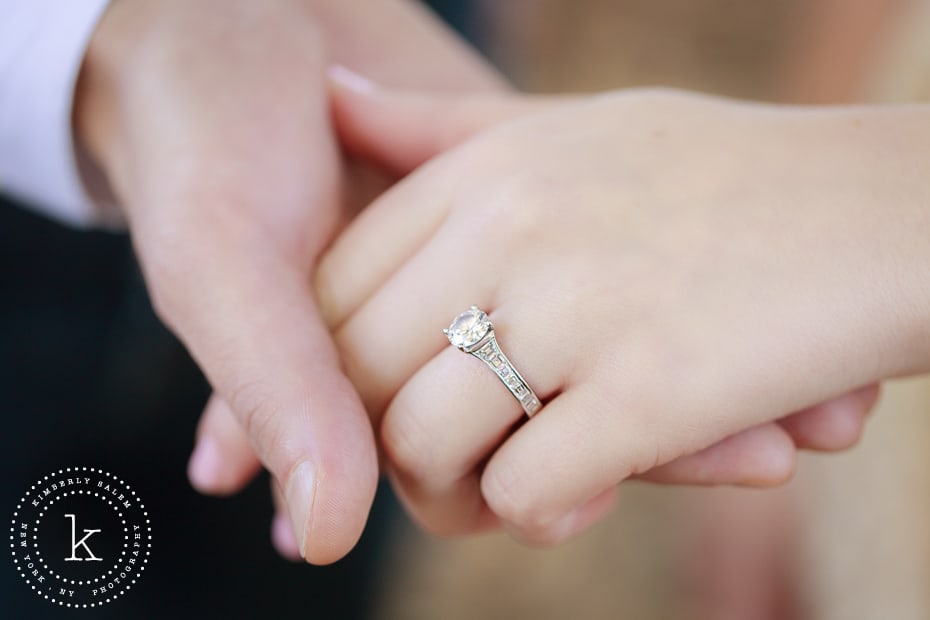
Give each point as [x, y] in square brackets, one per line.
[209, 121]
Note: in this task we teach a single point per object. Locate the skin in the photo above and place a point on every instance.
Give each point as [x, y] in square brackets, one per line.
[666, 270]
[209, 121]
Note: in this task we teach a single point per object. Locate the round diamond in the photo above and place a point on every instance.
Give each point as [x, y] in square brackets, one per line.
[469, 328]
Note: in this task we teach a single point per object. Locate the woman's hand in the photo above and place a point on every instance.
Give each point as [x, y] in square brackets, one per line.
[665, 270]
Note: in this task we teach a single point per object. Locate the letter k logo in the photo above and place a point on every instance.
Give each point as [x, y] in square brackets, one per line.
[81, 543]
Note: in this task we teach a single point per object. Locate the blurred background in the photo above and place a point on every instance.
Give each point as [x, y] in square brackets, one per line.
[89, 377]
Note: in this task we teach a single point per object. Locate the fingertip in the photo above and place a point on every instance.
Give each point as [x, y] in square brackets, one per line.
[338, 515]
[331, 492]
[763, 456]
[283, 539]
[210, 475]
[400, 130]
[774, 461]
[840, 429]
[204, 469]
[386, 129]
[567, 526]
[835, 425]
[211, 470]
[223, 461]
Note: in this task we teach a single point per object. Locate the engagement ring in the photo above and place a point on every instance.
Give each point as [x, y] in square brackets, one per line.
[473, 333]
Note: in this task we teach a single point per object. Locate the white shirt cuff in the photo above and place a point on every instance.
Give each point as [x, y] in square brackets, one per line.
[42, 44]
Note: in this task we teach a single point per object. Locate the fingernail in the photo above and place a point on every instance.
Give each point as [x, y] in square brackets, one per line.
[205, 466]
[300, 493]
[282, 536]
[351, 80]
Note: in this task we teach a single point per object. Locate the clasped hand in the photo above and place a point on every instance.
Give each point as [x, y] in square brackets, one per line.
[636, 256]
[681, 279]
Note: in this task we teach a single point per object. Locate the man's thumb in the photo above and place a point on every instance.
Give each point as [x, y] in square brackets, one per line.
[399, 130]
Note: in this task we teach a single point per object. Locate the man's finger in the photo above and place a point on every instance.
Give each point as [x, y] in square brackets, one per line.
[400, 130]
[223, 461]
[249, 320]
[834, 425]
[761, 456]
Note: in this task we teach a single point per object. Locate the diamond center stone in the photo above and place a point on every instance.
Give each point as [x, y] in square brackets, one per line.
[468, 328]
